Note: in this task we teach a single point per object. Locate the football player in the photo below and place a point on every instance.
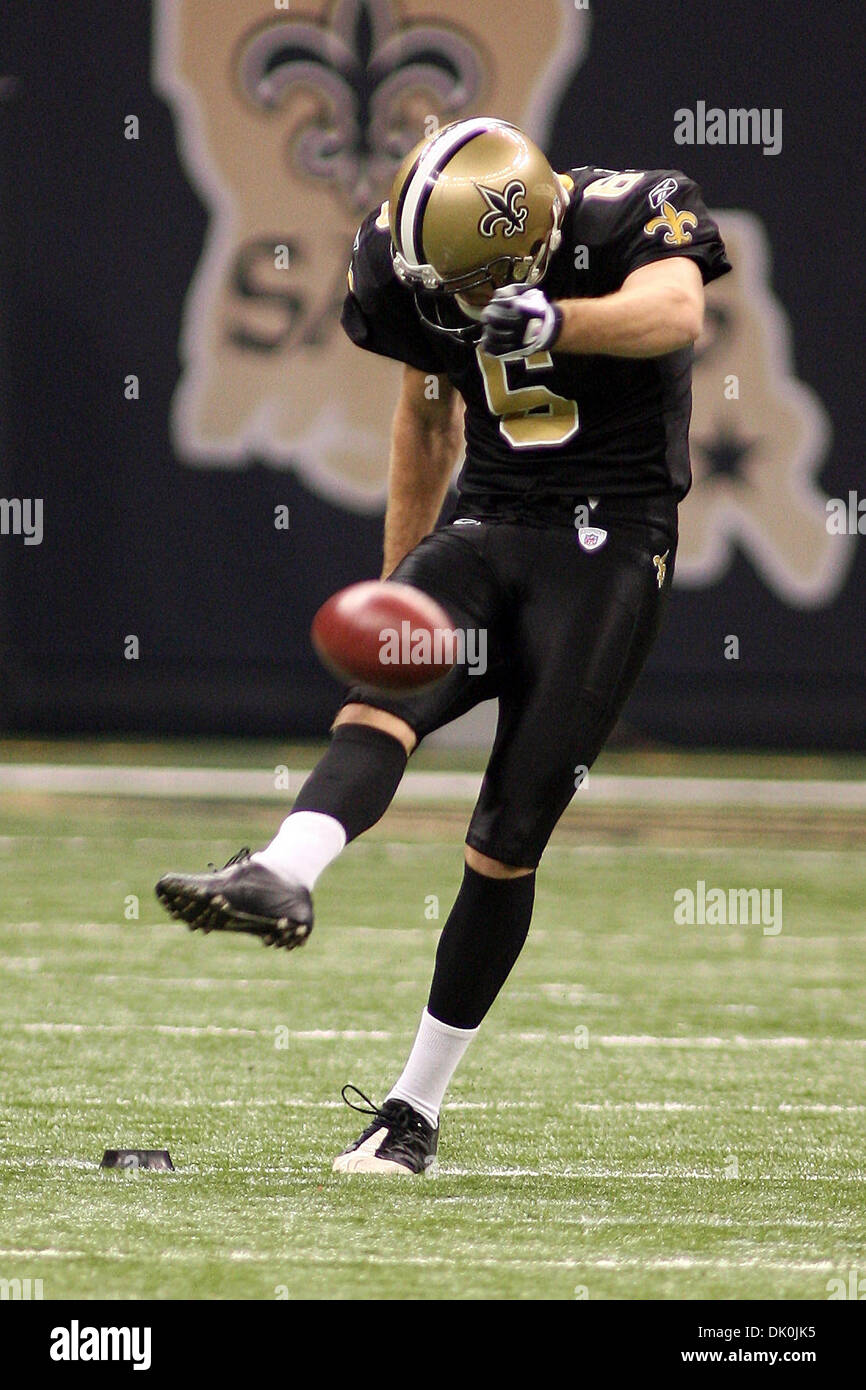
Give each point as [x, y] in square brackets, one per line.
[548, 319]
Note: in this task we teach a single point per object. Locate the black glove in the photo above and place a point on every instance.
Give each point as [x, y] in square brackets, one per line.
[519, 321]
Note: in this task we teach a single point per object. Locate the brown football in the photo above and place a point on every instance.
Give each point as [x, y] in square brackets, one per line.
[389, 635]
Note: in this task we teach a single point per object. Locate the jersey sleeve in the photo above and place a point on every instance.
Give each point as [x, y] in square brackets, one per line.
[665, 217]
[379, 313]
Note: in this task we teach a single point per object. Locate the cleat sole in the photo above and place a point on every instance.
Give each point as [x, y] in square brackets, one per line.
[201, 912]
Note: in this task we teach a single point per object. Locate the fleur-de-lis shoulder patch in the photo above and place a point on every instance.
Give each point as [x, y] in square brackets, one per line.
[674, 224]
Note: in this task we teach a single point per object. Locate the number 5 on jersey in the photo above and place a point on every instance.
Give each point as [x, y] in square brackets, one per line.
[532, 416]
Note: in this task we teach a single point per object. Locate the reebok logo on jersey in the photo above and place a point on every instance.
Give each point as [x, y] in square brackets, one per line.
[591, 537]
[662, 192]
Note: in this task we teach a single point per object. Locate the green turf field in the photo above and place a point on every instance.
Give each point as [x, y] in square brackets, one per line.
[651, 1110]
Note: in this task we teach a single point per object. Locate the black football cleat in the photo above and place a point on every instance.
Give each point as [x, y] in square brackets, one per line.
[398, 1141]
[244, 896]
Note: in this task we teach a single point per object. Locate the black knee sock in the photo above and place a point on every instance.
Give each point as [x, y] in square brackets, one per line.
[356, 779]
[480, 942]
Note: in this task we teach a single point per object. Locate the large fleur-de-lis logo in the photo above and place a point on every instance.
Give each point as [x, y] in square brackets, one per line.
[674, 223]
[502, 209]
[361, 67]
[291, 118]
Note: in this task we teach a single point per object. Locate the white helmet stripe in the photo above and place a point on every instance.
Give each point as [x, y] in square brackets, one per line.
[442, 145]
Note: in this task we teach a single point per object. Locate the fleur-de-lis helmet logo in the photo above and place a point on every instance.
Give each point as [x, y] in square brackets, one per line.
[362, 67]
[502, 209]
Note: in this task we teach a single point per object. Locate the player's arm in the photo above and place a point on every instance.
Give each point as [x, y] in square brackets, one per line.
[426, 436]
[658, 309]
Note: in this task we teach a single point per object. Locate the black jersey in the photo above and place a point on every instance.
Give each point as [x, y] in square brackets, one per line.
[558, 426]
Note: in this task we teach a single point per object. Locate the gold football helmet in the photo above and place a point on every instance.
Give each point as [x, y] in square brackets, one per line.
[475, 204]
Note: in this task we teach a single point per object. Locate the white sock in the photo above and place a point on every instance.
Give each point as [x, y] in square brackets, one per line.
[436, 1051]
[304, 845]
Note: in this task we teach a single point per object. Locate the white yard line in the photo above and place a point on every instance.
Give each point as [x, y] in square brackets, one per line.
[646, 1040]
[193, 1030]
[587, 1172]
[413, 849]
[55, 1095]
[430, 788]
[49, 1253]
[464, 1261]
[593, 1173]
[713, 1262]
[610, 1040]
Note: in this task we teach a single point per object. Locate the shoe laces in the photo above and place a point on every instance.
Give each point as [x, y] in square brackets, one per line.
[369, 1108]
[238, 858]
[404, 1124]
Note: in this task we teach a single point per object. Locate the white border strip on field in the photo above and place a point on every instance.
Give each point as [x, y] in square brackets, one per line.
[429, 788]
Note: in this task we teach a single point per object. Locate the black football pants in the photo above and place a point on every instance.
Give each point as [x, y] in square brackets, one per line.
[564, 633]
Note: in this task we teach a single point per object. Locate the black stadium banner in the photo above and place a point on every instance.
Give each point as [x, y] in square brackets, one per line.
[193, 453]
